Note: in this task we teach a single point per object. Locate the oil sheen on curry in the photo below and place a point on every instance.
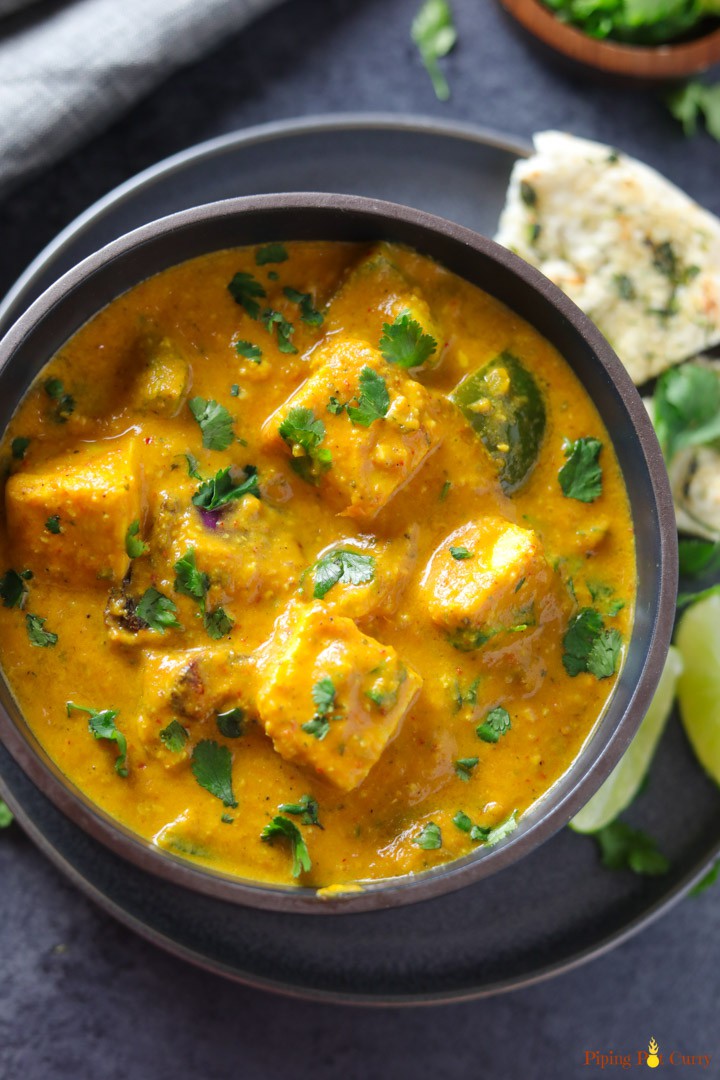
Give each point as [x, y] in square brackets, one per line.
[318, 563]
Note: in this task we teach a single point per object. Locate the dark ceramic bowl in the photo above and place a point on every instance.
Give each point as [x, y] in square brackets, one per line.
[80, 293]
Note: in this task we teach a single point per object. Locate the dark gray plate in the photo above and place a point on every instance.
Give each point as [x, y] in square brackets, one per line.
[557, 907]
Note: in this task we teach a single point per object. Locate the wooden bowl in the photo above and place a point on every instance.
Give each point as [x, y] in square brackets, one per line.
[649, 62]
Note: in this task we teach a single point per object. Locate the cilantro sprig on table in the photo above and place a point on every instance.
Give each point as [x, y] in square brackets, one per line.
[686, 408]
[101, 724]
[697, 100]
[6, 815]
[581, 476]
[434, 33]
[405, 343]
[625, 848]
[281, 828]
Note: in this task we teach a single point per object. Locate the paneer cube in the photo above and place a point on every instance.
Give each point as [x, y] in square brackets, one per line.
[486, 578]
[358, 466]
[330, 697]
[192, 687]
[375, 292]
[247, 549]
[69, 518]
[162, 384]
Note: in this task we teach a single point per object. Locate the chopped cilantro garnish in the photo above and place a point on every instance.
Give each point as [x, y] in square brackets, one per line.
[464, 767]
[460, 553]
[625, 287]
[343, 567]
[323, 695]
[222, 489]
[13, 589]
[174, 737]
[227, 819]
[53, 524]
[429, 838]
[101, 724]
[462, 821]
[373, 400]
[38, 636]
[188, 579]
[335, 406]
[157, 610]
[283, 329]
[686, 408]
[284, 829]
[405, 343]
[271, 253]
[212, 768]
[134, 546]
[581, 476]
[433, 31]
[249, 351]
[445, 490]
[235, 390]
[216, 423]
[304, 433]
[308, 313]
[18, 447]
[624, 848]
[218, 623]
[246, 291]
[496, 723]
[64, 403]
[306, 809]
[192, 466]
[231, 724]
[588, 646]
[493, 834]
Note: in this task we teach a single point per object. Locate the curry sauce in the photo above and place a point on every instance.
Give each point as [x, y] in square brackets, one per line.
[319, 562]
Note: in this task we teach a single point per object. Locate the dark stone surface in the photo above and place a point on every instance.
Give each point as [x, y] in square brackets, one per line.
[83, 998]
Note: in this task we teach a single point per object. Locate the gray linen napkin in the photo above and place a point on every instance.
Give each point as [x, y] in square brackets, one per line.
[72, 69]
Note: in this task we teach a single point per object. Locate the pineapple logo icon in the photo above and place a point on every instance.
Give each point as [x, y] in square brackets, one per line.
[653, 1060]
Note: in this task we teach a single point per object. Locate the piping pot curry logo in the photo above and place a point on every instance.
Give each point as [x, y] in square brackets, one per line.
[653, 1058]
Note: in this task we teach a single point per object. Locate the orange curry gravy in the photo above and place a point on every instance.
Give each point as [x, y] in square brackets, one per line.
[292, 582]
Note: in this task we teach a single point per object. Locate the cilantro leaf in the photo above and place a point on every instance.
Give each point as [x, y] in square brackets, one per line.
[433, 31]
[323, 695]
[212, 768]
[686, 408]
[493, 834]
[496, 723]
[373, 401]
[218, 623]
[460, 553]
[704, 883]
[588, 646]
[134, 546]
[334, 406]
[462, 821]
[271, 253]
[283, 829]
[429, 838]
[101, 724]
[216, 423]
[64, 403]
[42, 638]
[13, 589]
[188, 579]
[157, 610]
[344, 567]
[6, 815]
[405, 343]
[624, 848]
[308, 313]
[685, 598]
[192, 466]
[304, 434]
[246, 290]
[231, 724]
[581, 476]
[306, 809]
[249, 351]
[696, 100]
[283, 329]
[698, 556]
[445, 491]
[53, 524]
[222, 489]
[18, 447]
[174, 737]
[464, 767]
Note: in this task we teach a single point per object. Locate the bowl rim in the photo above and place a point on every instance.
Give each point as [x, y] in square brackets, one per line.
[667, 61]
[455, 874]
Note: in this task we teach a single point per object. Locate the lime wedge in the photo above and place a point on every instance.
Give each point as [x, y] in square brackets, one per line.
[622, 784]
[698, 639]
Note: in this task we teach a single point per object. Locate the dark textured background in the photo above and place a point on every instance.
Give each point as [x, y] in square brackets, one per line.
[80, 997]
